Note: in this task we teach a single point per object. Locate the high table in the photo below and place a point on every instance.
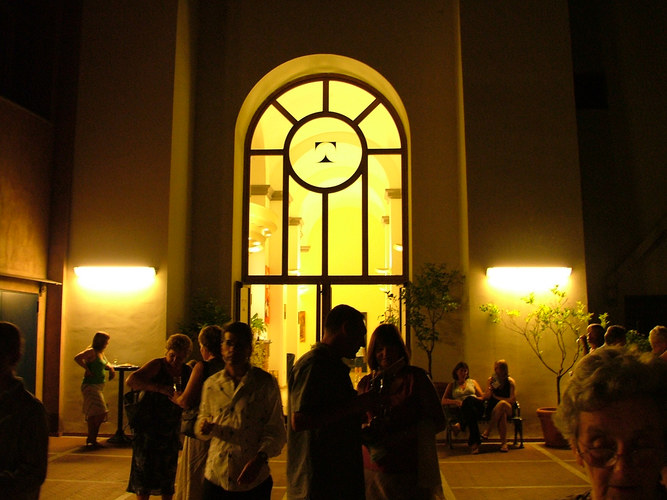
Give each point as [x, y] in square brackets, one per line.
[119, 438]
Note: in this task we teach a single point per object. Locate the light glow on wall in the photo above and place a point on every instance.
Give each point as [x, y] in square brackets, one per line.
[528, 279]
[115, 278]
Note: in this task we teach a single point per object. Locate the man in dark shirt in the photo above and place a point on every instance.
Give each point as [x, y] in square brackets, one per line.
[24, 433]
[324, 459]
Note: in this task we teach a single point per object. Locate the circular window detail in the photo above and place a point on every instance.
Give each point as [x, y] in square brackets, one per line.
[325, 152]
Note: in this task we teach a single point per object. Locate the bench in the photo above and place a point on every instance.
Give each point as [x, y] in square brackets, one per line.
[515, 419]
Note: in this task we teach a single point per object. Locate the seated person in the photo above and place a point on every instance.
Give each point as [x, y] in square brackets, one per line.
[463, 401]
[501, 396]
[613, 413]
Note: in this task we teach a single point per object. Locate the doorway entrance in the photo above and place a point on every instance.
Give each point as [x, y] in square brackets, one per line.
[325, 211]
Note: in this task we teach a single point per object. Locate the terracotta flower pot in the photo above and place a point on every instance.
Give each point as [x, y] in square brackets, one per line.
[552, 436]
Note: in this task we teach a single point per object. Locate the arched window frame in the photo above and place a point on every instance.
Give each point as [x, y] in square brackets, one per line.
[366, 277]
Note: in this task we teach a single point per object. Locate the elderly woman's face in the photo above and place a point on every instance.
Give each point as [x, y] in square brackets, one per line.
[632, 428]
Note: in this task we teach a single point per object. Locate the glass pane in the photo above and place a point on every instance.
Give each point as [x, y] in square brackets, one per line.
[345, 231]
[305, 232]
[265, 217]
[348, 99]
[271, 130]
[267, 170]
[372, 300]
[302, 100]
[289, 313]
[380, 129]
[376, 304]
[385, 215]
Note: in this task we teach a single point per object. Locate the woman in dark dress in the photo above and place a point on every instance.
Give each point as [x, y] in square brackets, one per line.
[501, 396]
[156, 441]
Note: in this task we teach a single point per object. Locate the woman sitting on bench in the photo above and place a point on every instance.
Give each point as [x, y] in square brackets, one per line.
[501, 395]
[464, 395]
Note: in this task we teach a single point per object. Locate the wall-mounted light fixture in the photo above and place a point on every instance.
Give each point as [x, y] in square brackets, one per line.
[115, 278]
[528, 279]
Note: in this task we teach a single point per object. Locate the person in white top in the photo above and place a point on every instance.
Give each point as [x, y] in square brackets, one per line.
[463, 401]
[241, 413]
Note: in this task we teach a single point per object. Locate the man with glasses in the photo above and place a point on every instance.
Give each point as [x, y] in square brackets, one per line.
[613, 412]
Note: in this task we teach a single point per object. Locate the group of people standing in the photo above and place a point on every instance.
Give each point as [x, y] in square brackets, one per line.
[375, 441]
[239, 422]
[597, 336]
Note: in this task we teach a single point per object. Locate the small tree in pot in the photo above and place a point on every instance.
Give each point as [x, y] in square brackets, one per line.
[553, 322]
[428, 299]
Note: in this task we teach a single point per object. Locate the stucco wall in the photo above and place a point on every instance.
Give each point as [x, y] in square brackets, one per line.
[519, 137]
[524, 192]
[121, 186]
[25, 190]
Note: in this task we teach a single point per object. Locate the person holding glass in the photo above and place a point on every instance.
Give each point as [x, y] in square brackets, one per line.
[156, 441]
[613, 413]
[93, 361]
[400, 458]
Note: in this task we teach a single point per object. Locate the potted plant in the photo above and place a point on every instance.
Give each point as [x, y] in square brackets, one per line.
[204, 311]
[428, 299]
[260, 350]
[547, 324]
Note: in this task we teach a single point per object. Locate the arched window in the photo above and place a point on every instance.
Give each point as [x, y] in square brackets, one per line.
[325, 211]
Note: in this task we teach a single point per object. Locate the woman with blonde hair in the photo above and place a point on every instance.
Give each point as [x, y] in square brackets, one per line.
[93, 361]
[501, 396]
[157, 426]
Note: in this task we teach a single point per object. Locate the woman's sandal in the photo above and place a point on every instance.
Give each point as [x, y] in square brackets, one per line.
[504, 448]
[474, 449]
[485, 436]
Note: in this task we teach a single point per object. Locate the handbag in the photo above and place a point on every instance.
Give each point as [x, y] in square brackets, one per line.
[133, 409]
[188, 420]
